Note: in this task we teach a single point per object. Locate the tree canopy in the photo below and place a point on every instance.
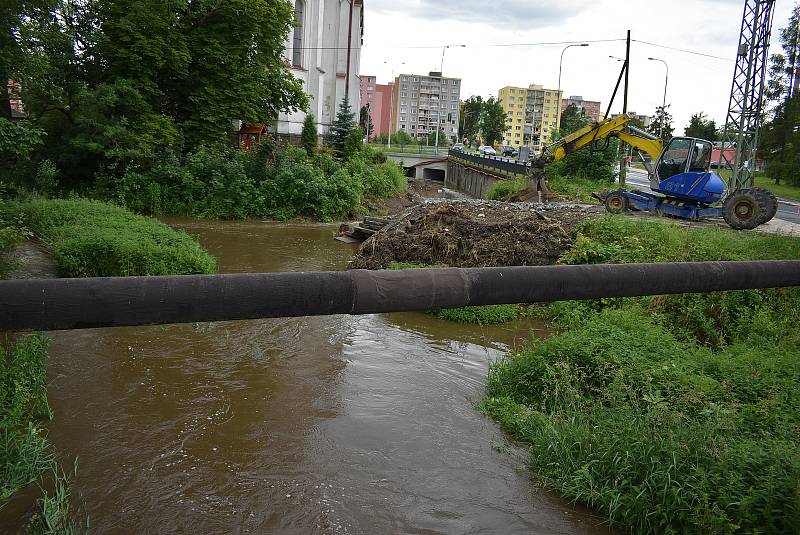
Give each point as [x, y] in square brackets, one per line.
[115, 82]
[662, 117]
[492, 121]
[702, 127]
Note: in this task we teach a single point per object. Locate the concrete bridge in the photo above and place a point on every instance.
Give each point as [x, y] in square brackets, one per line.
[467, 173]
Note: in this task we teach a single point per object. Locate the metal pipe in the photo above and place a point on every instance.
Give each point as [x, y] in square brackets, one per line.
[48, 304]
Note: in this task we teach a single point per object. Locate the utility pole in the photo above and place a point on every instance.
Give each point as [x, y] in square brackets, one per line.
[623, 163]
[747, 92]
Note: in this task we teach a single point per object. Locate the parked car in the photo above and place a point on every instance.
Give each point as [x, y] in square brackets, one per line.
[510, 151]
[486, 150]
[458, 146]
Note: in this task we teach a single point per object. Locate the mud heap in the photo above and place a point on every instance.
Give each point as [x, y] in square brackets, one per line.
[475, 234]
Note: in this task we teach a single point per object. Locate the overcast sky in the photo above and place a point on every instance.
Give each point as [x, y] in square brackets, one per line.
[696, 83]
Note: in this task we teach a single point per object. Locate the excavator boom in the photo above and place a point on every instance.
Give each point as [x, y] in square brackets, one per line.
[618, 127]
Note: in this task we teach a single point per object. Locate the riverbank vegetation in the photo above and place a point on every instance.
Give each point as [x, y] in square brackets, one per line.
[667, 414]
[115, 111]
[26, 456]
[96, 239]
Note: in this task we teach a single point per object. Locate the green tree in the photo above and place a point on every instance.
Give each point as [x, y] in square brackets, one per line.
[354, 144]
[784, 78]
[470, 119]
[702, 127]
[342, 126]
[662, 117]
[572, 119]
[365, 119]
[172, 75]
[308, 137]
[493, 121]
[779, 143]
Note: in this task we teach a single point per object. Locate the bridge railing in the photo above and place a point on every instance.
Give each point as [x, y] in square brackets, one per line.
[501, 163]
[411, 149]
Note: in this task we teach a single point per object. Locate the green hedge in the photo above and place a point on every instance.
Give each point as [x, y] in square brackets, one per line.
[667, 414]
[96, 239]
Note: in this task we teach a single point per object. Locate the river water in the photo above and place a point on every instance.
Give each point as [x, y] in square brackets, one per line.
[305, 425]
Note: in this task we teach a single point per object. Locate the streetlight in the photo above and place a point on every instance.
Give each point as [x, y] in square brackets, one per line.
[664, 102]
[441, 83]
[391, 104]
[558, 94]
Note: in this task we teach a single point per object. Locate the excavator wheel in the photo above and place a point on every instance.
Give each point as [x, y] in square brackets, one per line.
[616, 202]
[767, 202]
[742, 211]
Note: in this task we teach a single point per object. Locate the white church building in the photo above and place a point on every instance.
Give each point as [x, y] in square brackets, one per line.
[324, 51]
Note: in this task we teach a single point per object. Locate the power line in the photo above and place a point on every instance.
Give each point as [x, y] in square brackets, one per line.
[682, 50]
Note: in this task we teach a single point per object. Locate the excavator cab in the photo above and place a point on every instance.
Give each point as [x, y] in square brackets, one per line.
[683, 172]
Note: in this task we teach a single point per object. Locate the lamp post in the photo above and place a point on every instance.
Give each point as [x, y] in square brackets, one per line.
[441, 83]
[558, 93]
[663, 102]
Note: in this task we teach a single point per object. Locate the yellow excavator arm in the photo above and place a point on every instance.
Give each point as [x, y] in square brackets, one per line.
[618, 127]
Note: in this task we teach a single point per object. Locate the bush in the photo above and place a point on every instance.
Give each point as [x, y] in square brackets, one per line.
[659, 435]
[667, 414]
[503, 189]
[95, 239]
[282, 183]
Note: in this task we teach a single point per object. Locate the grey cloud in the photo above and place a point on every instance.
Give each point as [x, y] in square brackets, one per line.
[517, 14]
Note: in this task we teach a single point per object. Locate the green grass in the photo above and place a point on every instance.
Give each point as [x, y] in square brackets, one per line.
[762, 181]
[666, 414]
[502, 189]
[479, 315]
[96, 239]
[24, 450]
[12, 232]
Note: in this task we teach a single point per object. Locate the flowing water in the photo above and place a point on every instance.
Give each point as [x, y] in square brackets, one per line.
[303, 425]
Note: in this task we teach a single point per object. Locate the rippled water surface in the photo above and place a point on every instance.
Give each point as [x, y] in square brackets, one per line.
[306, 425]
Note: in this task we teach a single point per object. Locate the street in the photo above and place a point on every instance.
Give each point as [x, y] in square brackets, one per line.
[638, 178]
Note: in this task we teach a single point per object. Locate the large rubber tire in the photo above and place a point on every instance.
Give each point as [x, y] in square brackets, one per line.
[616, 202]
[741, 210]
[768, 204]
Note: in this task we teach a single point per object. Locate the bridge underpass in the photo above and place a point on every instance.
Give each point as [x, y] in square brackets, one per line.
[466, 173]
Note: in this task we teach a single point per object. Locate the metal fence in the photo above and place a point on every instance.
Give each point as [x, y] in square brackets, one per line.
[509, 165]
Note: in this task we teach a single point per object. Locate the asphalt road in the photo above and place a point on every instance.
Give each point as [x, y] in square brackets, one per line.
[638, 178]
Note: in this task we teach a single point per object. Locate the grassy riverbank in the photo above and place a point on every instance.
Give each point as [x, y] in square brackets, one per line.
[668, 414]
[96, 239]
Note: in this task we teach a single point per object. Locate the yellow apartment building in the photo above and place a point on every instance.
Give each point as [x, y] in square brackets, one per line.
[532, 115]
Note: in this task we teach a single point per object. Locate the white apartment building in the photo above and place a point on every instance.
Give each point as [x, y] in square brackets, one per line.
[317, 53]
[421, 102]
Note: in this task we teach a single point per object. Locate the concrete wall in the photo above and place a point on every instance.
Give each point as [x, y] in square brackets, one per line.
[467, 180]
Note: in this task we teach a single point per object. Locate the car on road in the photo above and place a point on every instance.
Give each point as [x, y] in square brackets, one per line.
[486, 150]
[510, 151]
[458, 146]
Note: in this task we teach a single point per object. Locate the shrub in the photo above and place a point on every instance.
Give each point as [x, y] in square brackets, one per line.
[667, 414]
[659, 435]
[95, 239]
[309, 137]
[503, 189]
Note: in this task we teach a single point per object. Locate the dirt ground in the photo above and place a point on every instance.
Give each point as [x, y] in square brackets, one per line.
[418, 192]
[471, 233]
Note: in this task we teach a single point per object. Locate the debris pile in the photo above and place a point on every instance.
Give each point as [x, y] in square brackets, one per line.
[475, 233]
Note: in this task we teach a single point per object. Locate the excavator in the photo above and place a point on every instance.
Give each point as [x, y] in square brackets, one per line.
[681, 181]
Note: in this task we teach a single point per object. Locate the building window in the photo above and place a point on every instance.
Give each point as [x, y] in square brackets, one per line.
[402, 127]
[297, 40]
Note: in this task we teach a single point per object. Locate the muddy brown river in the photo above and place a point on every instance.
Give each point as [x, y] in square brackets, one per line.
[351, 425]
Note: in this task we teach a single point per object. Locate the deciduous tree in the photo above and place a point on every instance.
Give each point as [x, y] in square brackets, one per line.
[493, 121]
[702, 127]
